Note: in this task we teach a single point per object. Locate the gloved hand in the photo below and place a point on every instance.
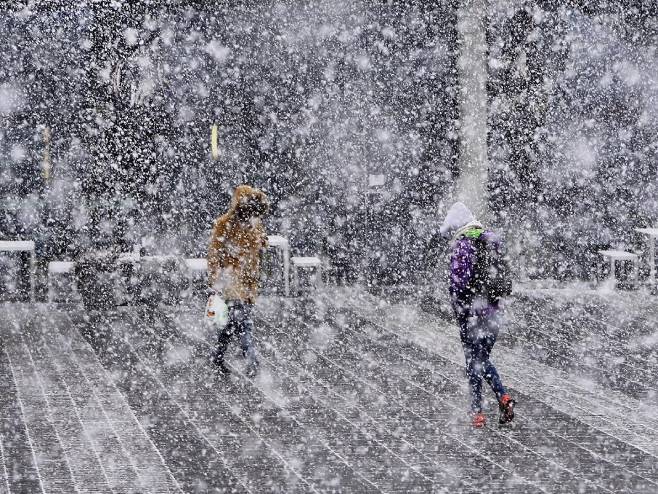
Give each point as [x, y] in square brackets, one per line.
[210, 293]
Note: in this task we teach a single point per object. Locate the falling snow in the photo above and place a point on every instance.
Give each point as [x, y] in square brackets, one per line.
[126, 128]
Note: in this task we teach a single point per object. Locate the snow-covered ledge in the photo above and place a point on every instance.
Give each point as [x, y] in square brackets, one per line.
[472, 66]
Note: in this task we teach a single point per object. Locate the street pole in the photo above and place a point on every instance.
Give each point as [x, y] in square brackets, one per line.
[471, 186]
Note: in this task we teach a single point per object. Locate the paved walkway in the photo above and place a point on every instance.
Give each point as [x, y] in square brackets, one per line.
[355, 394]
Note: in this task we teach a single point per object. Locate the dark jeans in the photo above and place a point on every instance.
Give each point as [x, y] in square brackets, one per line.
[240, 323]
[478, 335]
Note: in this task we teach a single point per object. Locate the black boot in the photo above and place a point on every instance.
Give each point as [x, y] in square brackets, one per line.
[252, 369]
[221, 366]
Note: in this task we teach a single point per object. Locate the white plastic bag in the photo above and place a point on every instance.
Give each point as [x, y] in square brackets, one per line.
[216, 312]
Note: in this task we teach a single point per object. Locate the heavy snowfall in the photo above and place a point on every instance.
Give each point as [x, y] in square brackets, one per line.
[328, 246]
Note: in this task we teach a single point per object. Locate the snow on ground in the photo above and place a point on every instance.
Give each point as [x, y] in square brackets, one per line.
[357, 393]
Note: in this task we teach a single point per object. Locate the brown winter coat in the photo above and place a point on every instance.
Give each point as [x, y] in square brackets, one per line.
[235, 248]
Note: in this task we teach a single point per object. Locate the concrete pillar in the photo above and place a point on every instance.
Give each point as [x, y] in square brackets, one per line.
[471, 187]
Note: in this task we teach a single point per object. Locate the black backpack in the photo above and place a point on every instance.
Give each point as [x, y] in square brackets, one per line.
[491, 276]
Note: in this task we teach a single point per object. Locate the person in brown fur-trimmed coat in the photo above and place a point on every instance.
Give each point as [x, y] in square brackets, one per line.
[237, 241]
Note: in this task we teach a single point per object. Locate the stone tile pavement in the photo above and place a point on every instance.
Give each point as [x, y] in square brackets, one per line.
[357, 393]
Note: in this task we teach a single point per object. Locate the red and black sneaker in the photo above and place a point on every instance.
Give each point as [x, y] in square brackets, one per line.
[479, 420]
[506, 405]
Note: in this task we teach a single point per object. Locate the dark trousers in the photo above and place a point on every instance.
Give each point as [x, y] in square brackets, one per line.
[241, 324]
[478, 336]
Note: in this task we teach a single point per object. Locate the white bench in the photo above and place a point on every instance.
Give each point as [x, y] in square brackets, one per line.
[279, 242]
[22, 246]
[274, 241]
[652, 235]
[306, 263]
[197, 264]
[200, 265]
[59, 267]
[621, 255]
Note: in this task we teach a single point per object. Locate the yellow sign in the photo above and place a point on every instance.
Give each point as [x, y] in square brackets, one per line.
[214, 150]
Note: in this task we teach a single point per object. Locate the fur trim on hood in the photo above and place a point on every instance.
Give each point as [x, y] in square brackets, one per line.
[246, 193]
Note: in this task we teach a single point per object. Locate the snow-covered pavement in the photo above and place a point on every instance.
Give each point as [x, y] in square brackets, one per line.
[355, 394]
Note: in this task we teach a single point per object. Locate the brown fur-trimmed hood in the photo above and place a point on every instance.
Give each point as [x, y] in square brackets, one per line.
[245, 194]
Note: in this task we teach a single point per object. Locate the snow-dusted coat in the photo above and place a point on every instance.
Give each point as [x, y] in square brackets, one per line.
[235, 249]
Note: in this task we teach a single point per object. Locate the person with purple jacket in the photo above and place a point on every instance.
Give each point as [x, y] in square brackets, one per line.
[478, 314]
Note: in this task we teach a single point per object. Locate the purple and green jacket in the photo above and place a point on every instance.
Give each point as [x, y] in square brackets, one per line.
[462, 267]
